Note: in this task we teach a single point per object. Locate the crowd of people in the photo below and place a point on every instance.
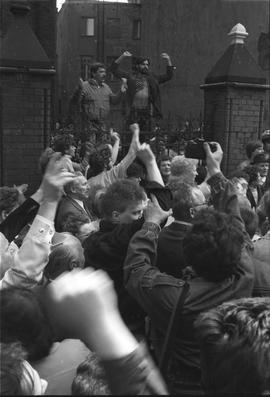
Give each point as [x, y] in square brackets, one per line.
[145, 274]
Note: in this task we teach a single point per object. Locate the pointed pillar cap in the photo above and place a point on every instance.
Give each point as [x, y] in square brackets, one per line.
[238, 34]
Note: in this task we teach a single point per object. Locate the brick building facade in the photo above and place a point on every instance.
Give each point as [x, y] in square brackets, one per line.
[27, 73]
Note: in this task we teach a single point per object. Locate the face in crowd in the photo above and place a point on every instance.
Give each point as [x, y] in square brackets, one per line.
[100, 75]
[143, 67]
[165, 168]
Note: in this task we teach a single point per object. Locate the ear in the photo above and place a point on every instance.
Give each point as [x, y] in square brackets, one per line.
[4, 215]
[115, 216]
[192, 212]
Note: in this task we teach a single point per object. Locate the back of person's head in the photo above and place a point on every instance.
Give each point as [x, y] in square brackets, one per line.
[136, 170]
[24, 319]
[119, 196]
[66, 254]
[182, 170]
[235, 347]
[252, 146]
[250, 219]
[99, 160]
[62, 142]
[17, 376]
[213, 245]
[95, 66]
[182, 202]
[90, 378]
[73, 223]
[9, 200]
[252, 173]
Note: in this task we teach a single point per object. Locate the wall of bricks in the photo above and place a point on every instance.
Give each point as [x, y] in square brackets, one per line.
[26, 117]
[233, 116]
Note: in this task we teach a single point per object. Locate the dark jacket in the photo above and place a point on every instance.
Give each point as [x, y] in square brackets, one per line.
[170, 257]
[68, 206]
[157, 292]
[251, 197]
[153, 84]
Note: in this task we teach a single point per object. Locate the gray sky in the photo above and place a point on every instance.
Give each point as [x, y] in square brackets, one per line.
[60, 2]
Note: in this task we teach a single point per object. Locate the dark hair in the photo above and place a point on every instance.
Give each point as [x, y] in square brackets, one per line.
[136, 170]
[250, 219]
[213, 246]
[90, 378]
[164, 157]
[95, 66]
[9, 198]
[24, 319]
[252, 172]
[252, 146]
[12, 357]
[182, 202]
[72, 223]
[120, 195]
[97, 164]
[62, 142]
[235, 347]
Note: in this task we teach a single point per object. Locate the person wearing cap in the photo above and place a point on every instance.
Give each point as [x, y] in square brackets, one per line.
[143, 93]
[261, 162]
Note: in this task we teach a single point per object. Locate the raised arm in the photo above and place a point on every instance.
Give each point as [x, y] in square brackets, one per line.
[116, 71]
[146, 155]
[115, 148]
[83, 304]
[169, 71]
[33, 255]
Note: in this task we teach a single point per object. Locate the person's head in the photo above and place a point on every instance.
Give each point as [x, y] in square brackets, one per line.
[78, 225]
[141, 65]
[98, 72]
[65, 144]
[182, 170]
[213, 245]
[240, 179]
[252, 148]
[253, 175]
[100, 160]
[90, 378]
[164, 165]
[9, 201]
[266, 141]
[235, 347]
[136, 171]
[250, 219]
[17, 376]
[94, 199]
[187, 200]
[123, 201]
[261, 162]
[78, 188]
[24, 319]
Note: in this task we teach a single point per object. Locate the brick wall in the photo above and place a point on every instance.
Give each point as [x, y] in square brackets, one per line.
[26, 118]
[233, 116]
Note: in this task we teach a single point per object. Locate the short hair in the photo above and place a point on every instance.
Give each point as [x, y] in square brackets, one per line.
[252, 172]
[119, 195]
[69, 186]
[162, 158]
[62, 142]
[136, 170]
[181, 171]
[90, 378]
[182, 201]
[251, 147]
[72, 223]
[12, 358]
[93, 200]
[250, 219]
[23, 319]
[98, 160]
[213, 245]
[9, 198]
[95, 66]
[234, 340]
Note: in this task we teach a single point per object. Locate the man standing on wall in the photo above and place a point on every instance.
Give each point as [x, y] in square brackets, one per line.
[92, 99]
[143, 94]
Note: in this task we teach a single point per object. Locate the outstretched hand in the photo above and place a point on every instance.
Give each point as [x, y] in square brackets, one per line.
[213, 159]
[81, 301]
[154, 213]
[135, 142]
[58, 173]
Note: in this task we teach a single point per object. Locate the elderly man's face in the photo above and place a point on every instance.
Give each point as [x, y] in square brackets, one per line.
[81, 187]
[263, 168]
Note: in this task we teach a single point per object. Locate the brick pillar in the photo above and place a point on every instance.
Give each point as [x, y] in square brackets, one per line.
[26, 102]
[234, 100]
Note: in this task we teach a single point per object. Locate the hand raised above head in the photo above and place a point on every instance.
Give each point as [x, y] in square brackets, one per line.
[213, 159]
[127, 54]
[154, 213]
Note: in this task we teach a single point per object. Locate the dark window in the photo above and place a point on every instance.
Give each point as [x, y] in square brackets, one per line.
[86, 61]
[109, 61]
[113, 28]
[87, 26]
[136, 29]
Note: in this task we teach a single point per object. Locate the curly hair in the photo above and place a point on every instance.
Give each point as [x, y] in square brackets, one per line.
[234, 340]
[252, 173]
[24, 319]
[213, 246]
[72, 223]
[62, 142]
[120, 195]
[9, 198]
[12, 358]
